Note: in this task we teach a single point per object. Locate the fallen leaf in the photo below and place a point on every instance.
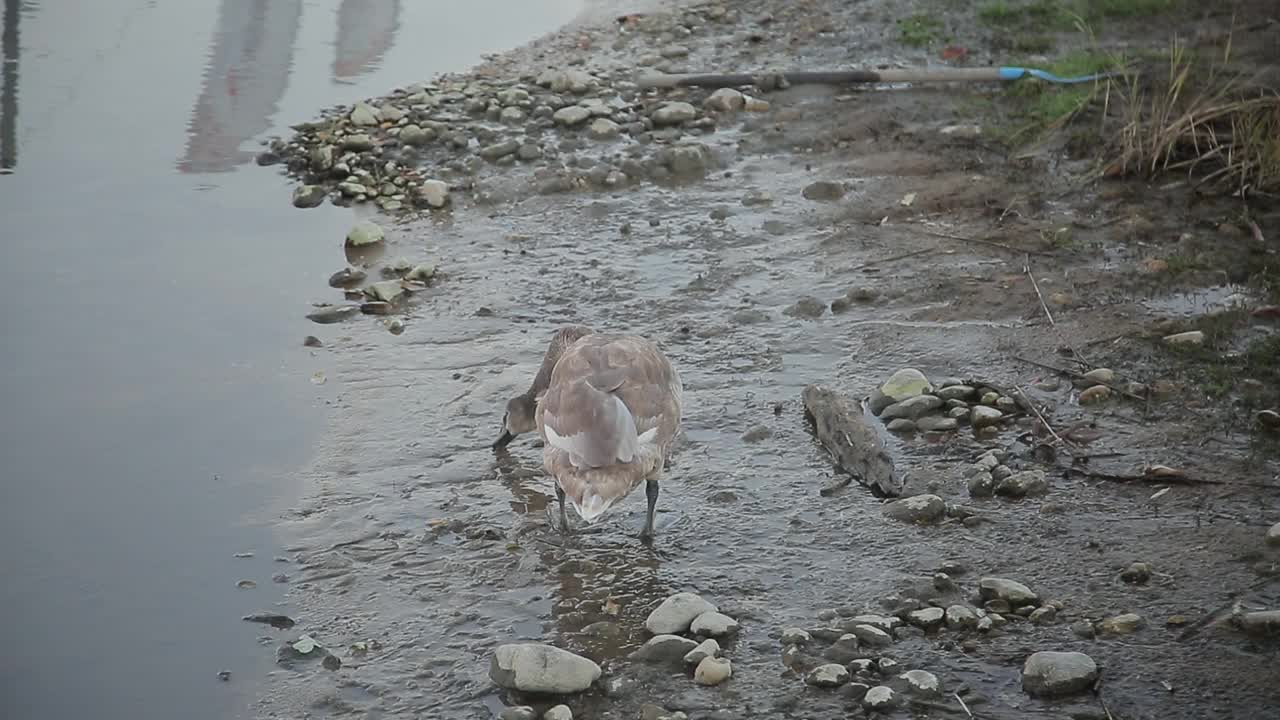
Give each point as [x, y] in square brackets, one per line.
[1267, 312]
[908, 199]
[954, 52]
[318, 378]
[1163, 471]
[1158, 494]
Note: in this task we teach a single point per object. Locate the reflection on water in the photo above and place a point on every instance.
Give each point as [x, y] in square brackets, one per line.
[247, 74]
[366, 31]
[9, 83]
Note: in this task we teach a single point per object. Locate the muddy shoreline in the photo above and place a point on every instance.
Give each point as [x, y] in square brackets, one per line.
[835, 237]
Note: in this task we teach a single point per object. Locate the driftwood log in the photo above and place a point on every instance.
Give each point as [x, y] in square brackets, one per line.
[855, 446]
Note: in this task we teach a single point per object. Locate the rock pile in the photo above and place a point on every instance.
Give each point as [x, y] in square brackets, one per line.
[989, 475]
[909, 402]
[688, 613]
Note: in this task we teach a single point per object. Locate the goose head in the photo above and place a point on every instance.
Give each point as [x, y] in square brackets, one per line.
[518, 418]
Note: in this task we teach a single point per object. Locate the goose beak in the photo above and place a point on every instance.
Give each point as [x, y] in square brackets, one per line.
[503, 440]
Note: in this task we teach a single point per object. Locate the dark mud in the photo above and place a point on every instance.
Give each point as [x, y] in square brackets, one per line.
[417, 536]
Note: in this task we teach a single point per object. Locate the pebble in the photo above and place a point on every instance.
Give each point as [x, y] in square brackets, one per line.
[955, 392]
[1095, 394]
[571, 116]
[676, 613]
[1043, 615]
[880, 697]
[757, 433]
[559, 712]
[1125, 624]
[604, 129]
[887, 624]
[1260, 622]
[1012, 592]
[927, 618]
[705, 649]
[1098, 376]
[982, 484]
[1049, 673]
[829, 675]
[912, 408]
[922, 683]
[939, 424]
[364, 115]
[806, 307]
[537, 668]
[823, 190]
[1025, 483]
[1006, 404]
[961, 617]
[499, 150]
[725, 100]
[434, 192]
[712, 671]
[796, 636]
[1083, 629]
[1194, 337]
[901, 425]
[674, 113]
[915, 509]
[312, 341]
[414, 135]
[887, 666]
[359, 142]
[905, 384]
[1138, 573]
[665, 649]
[387, 291]
[714, 624]
[365, 232]
[332, 314]
[873, 636]
[990, 397]
[983, 416]
[308, 196]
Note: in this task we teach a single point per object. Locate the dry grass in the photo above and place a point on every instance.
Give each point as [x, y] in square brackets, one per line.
[1198, 118]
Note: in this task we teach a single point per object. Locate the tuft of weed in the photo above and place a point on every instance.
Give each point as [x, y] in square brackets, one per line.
[918, 30]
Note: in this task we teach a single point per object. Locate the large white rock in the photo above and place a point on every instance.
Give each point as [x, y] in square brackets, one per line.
[714, 624]
[365, 232]
[906, 384]
[1050, 673]
[536, 668]
[677, 613]
[1011, 591]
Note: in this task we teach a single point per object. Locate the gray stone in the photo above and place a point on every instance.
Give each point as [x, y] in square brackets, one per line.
[981, 484]
[1124, 624]
[365, 232]
[901, 425]
[1049, 674]
[795, 636]
[983, 416]
[955, 392]
[713, 671]
[674, 113]
[665, 649]
[387, 291]
[705, 649]
[887, 624]
[559, 712]
[922, 683]
[687, 160]
[906, 384]
[880, 697]
[499, 150]
[1259, 622]
[1137, 573]
[1044, 615]
[714, 624]
[725, 100]
[829, 675]
[1273, 535]
[434, 192]
[603, 129]
[333, 314]
[512, 115]
[927, 618]
[529, 152]
[1027, 482]
[308, 196]
[358, 142]
[961, 617]
[937, 424]
[915, 509]
[1010, 591]
[391, 113]
[676, 613]
[823, 191]
[912, 408]
[364, 115]
[570, 116]
[862, 666]
[887, 666]
[878, 401]
[536, 668]
[872, 636]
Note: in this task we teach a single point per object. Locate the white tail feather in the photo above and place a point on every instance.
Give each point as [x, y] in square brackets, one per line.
[592, 507]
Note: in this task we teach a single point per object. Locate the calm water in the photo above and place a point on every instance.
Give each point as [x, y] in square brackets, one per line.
[156, 395]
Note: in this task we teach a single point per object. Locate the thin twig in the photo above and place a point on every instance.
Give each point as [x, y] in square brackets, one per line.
[962, 705]
[1026, 268]
[1041, 417]
[989, 243]
[1157, 479]
[903, 256]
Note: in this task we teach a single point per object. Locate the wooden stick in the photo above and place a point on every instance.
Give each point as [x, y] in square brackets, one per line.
[1043, 421]
[1076, 376]
[903, 256]
[962, 705]
[834, 77]
[1026, 268]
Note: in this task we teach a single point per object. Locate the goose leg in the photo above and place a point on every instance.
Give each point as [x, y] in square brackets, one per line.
[651, 494]
[564, 520]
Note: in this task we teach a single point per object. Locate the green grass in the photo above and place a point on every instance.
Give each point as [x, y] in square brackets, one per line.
[1062, 15]
[1044, 104]
[918, 30]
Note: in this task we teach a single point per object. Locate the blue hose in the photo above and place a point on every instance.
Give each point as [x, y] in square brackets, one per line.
[1015, 73]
